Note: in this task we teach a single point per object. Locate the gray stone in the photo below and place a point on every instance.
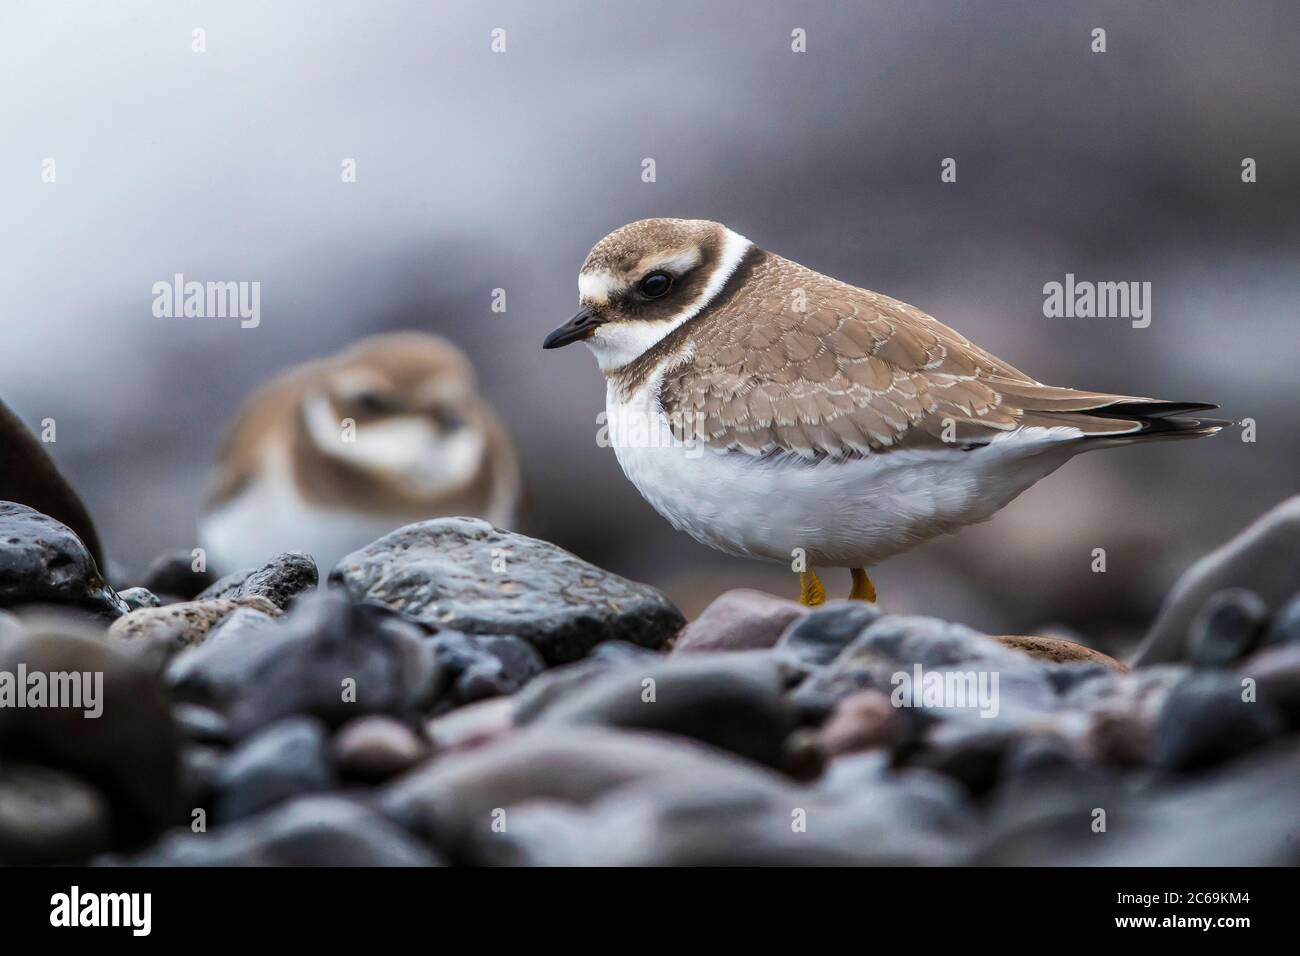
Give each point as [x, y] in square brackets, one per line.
[280, 581]
[308, 831]
[47, 816]
[1264, 558]
[209, 672]
[43, 562]
[1276, 673]
[1285, 626]
[136, 598]
[731, 700]
[129, 752]
[1227, 628]
[739, 620]
[1205, 721]
[289, 758]
[173, 574]
[820, 636]
[482, 666]
[328, 657]
[442, 573]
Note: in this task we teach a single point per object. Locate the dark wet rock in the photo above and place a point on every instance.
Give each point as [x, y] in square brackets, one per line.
[482, 666]
[1285, 626]
[376, 748]
[1057, 650]
[129, 752]
[136, 598]
[862, 721]
[290, 758]
[161, 632]
[279, 581]
[1276, 675]
[328, 657]
[43, 562]
[308, 831]
[732, 701]
[819, 637]
[29, 476]
[1227, 628]
[451, 800]
[739, 620]
[174, 575]
[47, 816]
[1265, 558]
[462, 574]
[1205, 721]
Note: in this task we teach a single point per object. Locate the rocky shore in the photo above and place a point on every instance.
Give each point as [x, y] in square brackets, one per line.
[457, 694]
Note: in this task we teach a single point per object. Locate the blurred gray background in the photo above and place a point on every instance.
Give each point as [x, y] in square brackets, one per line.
[479, 170]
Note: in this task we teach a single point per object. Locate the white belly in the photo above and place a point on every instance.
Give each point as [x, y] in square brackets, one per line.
[850, 513]
[270, 517]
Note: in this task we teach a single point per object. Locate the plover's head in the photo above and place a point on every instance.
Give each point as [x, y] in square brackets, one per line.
[644, 280]
[403, 406]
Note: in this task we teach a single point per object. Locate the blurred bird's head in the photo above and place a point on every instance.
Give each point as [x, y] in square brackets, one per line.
[404, 404]
[646, 279]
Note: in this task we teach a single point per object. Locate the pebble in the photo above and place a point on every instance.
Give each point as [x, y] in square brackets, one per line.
[1264, 558]
[1285, 626]
[43, 562]
[730, 700]
[129, 752]
[862, 721]
[161, 632]
[136, 598]
[463, 574]
[49, 817]
[289, 758]
[174, 575]
[279, 581]
[1227, 628]
[739, 620]
[1205, 721]
[328, 657]
[818, 638]
[482, 666]
[376, 748]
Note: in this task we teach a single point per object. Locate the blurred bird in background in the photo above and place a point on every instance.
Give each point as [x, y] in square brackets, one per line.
[334, 453]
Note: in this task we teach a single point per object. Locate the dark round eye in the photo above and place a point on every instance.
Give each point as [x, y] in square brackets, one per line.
[374, 403]
[656, 284]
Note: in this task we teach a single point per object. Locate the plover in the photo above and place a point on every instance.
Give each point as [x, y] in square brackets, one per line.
[335, 453]
[770, 411]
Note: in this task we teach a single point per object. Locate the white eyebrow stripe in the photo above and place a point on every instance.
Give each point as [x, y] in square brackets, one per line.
[597, 286]
[677, 263]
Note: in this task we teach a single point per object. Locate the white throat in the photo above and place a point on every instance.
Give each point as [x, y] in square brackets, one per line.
[618, 343]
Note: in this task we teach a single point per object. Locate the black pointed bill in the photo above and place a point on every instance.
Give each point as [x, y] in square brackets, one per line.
[575, 330]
